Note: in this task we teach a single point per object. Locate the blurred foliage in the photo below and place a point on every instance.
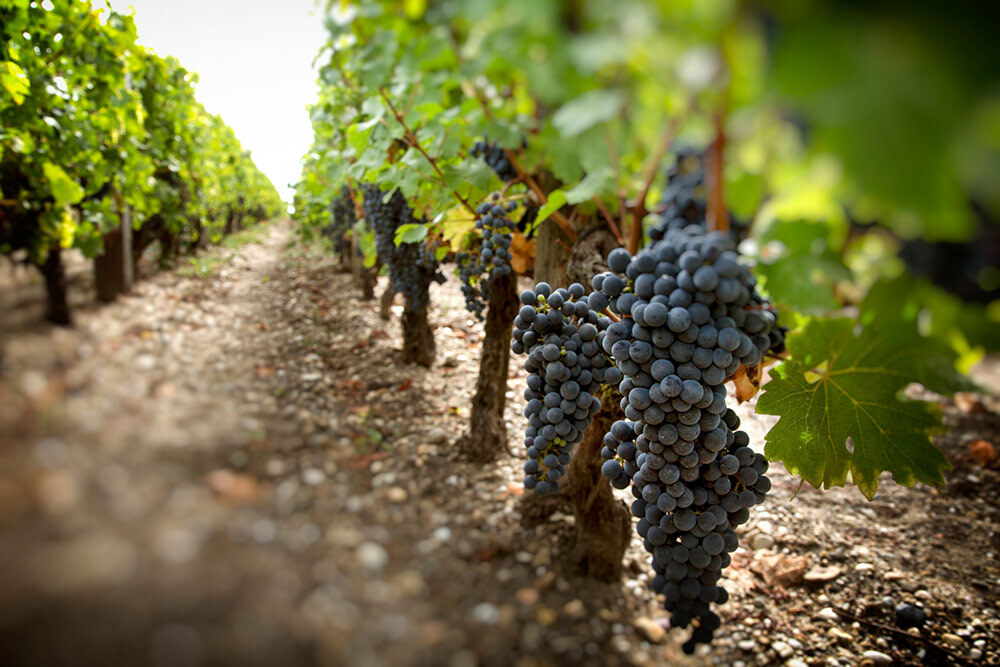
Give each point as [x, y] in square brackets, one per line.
[91, 122]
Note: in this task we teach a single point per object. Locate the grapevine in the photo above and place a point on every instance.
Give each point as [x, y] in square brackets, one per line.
[342, 221]
[476, 270]
[412, 266]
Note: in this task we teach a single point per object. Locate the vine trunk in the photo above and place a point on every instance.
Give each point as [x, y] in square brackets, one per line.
[418, 338]
[487, 435]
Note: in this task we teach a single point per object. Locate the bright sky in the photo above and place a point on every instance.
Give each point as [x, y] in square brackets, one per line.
[254, 59]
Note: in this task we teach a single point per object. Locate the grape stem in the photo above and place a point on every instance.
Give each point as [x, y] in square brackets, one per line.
[717, 216]
[612, 225]
[412, 140]
[638, 207]
[523, 176]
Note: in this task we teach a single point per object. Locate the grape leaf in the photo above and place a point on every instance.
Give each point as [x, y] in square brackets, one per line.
[64, 189]
[14, 81]
[587, 110]
[591, 185]
[804, 282]
[800, 267]
[556, 200]
[840, 385]
[410, 233]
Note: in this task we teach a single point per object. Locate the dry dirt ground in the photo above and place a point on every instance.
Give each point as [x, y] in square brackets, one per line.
[235, 469]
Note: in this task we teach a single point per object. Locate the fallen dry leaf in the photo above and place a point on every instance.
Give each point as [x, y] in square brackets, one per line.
[983, 452]
[747, 383]
[522, 252]
[779, 569]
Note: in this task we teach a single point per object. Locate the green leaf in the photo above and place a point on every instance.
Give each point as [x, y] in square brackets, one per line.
[590, 109]
[803, 282]
[840, 384]
[410, 233]
[592, 184]
[801, 266]
[556, 200]
[14, 81]
[64, 189]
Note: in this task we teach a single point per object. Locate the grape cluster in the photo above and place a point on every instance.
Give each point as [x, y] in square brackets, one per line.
[474, 288]
[690, 317]
[566, 366]
[495, 227]
[412, 266]
[343, 219]
[683, 201]
[495, 157]
[476, 271]
[684, 198]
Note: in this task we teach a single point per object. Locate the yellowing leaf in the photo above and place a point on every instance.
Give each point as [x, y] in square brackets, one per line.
[64, 189]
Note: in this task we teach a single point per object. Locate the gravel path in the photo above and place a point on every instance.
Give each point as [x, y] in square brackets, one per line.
[235, 469]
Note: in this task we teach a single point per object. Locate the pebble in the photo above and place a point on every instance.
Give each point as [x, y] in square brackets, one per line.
[527, 596]
[574, 608]
[877, 657]
[828, 614]
[924, 595]
[795, 662]
[975, 654]
[952, 640]
[822, 575]
[437, 436]
[313, 476]
[839, 635]
[396, 494]
[761, 541]
[372, 556]
[782, 649]
[650, 629]
[746, 645]
[486, 613]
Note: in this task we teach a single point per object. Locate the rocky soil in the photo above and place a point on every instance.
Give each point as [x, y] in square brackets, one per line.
[235, 469]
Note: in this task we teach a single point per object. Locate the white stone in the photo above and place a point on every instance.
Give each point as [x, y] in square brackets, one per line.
[877, 657]
[828, 614]
[372, 556]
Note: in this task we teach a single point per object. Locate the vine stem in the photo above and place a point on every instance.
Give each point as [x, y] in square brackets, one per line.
[412, 140]
[902, 635]
[638, 208]
[612, 225]
[717, 216]
[556, 216]
[522, 175]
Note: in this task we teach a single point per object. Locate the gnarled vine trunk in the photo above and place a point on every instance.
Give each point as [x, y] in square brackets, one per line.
[55, 288]
[487, 436]
[385, 301]
[364, 277]
[552, 254]
[109, 268]
[603, 524]
[418, 338]
[168, 247]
